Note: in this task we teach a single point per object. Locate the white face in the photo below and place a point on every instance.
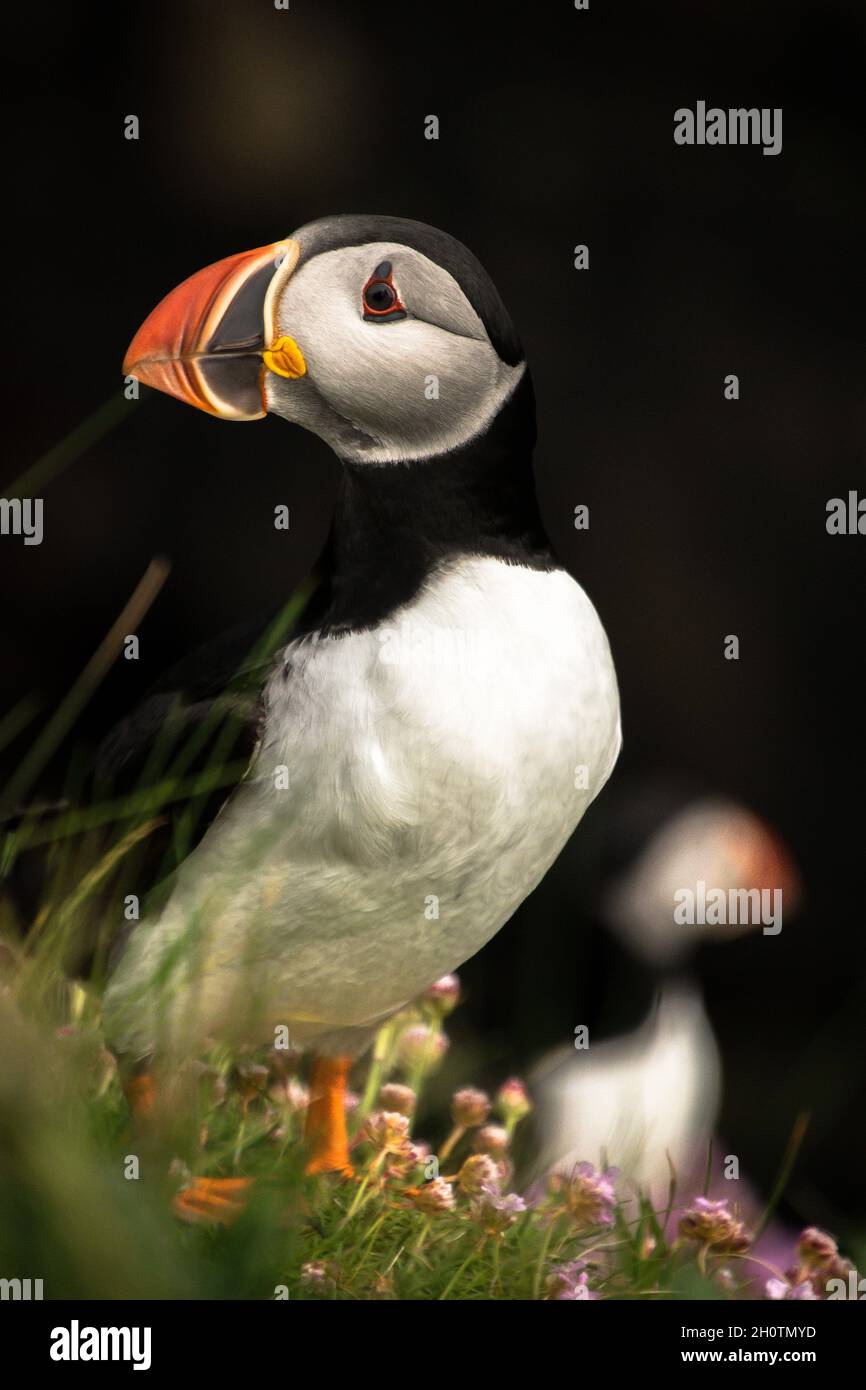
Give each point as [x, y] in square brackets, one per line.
[383, 389]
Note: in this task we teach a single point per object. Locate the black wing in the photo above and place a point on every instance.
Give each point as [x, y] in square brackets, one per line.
[182, 751]
[161, 776]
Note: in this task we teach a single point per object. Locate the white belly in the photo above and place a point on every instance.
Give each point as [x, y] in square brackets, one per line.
[435, 767]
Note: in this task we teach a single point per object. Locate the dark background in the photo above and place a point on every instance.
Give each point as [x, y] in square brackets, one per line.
[707, 516]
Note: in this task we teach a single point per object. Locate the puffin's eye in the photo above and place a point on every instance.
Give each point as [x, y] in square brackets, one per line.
[380, 300]
[379, 297]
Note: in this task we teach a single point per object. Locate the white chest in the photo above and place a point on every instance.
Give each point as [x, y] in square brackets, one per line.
[413, 785]
[432, 770]
[487, 705]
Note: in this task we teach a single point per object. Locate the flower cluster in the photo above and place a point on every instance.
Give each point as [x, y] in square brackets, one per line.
[494, 1212]
[319, 1277]
[478, 1172]
[586, 1193]
[462, 1191]
[475, 1189]
[714, 1227]
[818, 1261]
[436, 1195]
[388, 1131]
[569, 1283]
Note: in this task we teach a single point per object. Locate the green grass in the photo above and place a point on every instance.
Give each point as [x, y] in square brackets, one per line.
[70, 1215]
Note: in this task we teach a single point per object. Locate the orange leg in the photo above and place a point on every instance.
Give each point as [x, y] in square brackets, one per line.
[140, 1092]
[325, 1130]
[210, 1200]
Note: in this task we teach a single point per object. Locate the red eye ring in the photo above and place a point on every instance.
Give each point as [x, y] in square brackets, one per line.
[380, 300]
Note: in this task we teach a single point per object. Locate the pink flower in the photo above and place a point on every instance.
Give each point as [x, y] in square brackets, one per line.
[495, 1213]
[713, 1224]
[405, 1160]
[388, 1130]
[491, 1139]
[469, 1107]
[319, 1276]
[435, 1195]
[818, 1261]
[569, 1283]
[477, 1173]
[512, 1101]
[420, 1047]
[444, 994]
[589, 1194]
[816, 1247]
[780, 1289]
[399, 1098]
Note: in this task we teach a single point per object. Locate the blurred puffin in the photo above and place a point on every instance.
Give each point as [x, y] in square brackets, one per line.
[426, 743]
[648, 1097]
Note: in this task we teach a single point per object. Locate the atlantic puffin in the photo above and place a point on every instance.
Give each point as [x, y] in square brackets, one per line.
[648, 1097]
[427, 740]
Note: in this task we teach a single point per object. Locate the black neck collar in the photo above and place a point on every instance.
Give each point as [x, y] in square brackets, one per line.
[394, 524]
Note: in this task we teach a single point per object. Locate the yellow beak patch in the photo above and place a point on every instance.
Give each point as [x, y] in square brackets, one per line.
[285, 358]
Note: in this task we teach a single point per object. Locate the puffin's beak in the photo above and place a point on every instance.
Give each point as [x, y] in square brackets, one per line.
[210, 341]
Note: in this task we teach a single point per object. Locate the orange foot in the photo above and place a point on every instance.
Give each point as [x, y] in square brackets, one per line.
[140, 1093]
[325, 1129]
[214, 1201]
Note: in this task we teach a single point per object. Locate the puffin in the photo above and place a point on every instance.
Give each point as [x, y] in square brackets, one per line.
[648, 1097]
[428, 737]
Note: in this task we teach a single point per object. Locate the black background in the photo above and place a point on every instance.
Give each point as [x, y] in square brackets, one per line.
[707, 516]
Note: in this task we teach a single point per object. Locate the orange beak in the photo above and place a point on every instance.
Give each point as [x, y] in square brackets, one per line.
[763, 860]
[211, 341]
